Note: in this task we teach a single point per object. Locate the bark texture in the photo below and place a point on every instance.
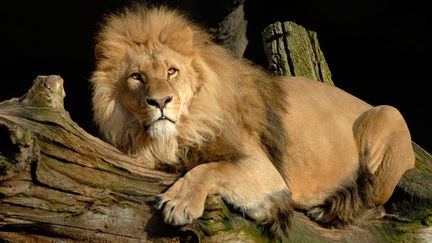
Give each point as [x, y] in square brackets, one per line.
[58, 182]
[293, 50]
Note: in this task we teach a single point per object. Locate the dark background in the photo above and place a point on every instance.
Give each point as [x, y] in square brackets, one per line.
[377, 50]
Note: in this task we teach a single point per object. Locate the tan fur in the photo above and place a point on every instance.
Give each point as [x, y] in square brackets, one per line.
[264, 143]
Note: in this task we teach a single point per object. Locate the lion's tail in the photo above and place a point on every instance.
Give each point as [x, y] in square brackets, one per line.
[347, 203]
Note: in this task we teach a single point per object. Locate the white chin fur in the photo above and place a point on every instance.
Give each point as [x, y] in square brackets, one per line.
[162, 130]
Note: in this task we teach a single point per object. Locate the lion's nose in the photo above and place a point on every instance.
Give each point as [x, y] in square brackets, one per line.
[160, 103]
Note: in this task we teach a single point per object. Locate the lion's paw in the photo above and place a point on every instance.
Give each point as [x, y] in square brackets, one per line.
[182, 203]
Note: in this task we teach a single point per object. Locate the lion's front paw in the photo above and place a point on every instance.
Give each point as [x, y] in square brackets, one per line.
[182, 203]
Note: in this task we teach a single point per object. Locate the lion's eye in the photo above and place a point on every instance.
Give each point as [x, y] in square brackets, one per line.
[172, 72]
[136, 76]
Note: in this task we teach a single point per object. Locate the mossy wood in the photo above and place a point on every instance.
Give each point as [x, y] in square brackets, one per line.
[59, 183]
[292, 50]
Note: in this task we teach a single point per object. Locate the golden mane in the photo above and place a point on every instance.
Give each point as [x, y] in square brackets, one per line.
[210, 111]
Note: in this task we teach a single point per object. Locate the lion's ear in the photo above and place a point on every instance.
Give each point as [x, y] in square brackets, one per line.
[179, 37]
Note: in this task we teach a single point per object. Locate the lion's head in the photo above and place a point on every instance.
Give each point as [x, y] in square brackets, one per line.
[152, 87]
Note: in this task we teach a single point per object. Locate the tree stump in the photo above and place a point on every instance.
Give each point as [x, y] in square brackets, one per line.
[294, 51]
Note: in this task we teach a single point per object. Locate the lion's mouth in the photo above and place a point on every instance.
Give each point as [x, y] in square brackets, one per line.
[160, 119]
[163, 118]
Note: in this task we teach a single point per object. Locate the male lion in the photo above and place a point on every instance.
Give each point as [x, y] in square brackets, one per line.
[165, 93]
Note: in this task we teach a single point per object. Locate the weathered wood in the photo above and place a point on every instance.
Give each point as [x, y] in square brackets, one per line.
[294, 51]
[59, 182]
[59, 179]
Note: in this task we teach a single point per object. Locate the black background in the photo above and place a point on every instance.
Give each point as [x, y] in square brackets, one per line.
[377, 50]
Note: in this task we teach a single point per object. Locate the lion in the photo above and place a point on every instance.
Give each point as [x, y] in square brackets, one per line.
[166, 94]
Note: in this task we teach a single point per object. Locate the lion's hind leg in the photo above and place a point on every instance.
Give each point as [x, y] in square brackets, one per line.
[385, 147]
[385, 151]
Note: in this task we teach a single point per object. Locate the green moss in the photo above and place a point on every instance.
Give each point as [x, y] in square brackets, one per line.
[219, 221]
[392, 231]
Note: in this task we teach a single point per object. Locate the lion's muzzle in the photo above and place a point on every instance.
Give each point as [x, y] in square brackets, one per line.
[160, 103]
